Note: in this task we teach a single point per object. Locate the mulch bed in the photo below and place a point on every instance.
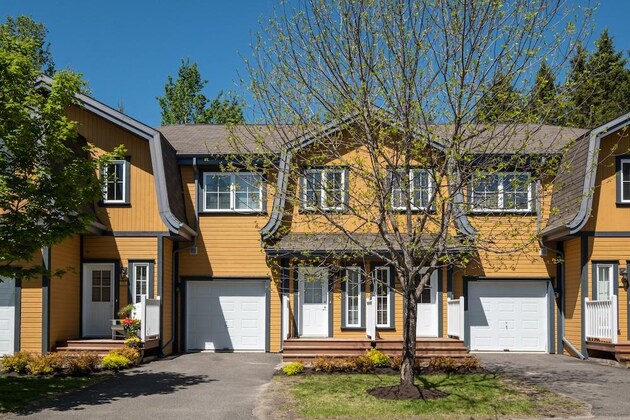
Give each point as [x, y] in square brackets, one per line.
[406, 392]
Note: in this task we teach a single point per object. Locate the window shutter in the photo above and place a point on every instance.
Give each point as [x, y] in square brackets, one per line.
[344, 294]
[346, 190]
[263, 187]
[127, 181]
[392, 296]
[362, 301]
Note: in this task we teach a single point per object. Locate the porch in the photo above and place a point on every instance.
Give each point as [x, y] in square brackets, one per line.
[602, 330]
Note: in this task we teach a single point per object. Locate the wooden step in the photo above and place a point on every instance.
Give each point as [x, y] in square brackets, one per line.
[310, 357]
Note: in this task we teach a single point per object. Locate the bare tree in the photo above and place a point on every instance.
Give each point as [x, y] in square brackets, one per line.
[389, 91]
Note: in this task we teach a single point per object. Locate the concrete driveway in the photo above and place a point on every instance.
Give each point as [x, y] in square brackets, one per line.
[605, 388]
[191, 386]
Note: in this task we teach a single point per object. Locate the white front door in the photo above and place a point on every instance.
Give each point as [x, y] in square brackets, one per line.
[313, 288]
[7, 316]
[427, 323]
[98, 299]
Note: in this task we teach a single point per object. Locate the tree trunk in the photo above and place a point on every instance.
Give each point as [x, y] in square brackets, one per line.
[407, 369]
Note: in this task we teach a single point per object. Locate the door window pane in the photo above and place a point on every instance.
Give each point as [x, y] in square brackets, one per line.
[101, 285]
[141, 280]
[604, 282]
[382, 296]
[353, 297]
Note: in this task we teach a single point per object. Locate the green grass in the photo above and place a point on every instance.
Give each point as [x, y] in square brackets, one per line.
[476, 396]
[17, 392]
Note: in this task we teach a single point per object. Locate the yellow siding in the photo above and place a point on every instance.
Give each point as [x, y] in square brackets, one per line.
[228, 245]
[65, 295]
[275, 311]
[142, 214]
[31, 322]
[572, 293]
[167, 297]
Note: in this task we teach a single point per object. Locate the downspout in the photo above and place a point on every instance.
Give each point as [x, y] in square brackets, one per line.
[174, 257]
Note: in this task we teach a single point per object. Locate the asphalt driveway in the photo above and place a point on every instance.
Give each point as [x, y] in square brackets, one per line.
[605, 388]
[190, 386]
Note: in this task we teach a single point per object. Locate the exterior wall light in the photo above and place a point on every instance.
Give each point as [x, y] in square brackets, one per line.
[623, 272]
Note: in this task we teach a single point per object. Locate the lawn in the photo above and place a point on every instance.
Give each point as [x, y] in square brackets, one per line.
[470, 396]
[19, 391]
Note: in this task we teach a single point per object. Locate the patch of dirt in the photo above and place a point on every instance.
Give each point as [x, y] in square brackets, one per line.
[406, 392]
[274, 402]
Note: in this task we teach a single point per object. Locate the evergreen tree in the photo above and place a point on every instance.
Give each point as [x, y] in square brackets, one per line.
[184, 103]
[544, 98]
[500, 102]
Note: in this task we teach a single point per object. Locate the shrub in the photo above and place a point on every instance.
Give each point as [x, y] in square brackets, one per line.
[469, 364]
[378, 358]
[45, 364]
[126, 311]
[115, 362]
[132, 354]
[134, 342]
[363, 363]
[443, 364]
[293, 368]
[323, 364]
[16, 362]
[395, 362]
[82, 363]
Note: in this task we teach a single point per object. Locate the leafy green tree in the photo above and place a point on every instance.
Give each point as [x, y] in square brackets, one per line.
[25, 28]
[184, 103]
[598, 85]
[500, 101]
[47, 180]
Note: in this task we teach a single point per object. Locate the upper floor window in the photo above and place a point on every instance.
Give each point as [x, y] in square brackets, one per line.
[238, 192]
[324, 188]
[506, 191]
[116, 181]
[414, 186]
[624, 180]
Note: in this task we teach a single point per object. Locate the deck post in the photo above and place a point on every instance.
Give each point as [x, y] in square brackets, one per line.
[615, 321]
[587, 320]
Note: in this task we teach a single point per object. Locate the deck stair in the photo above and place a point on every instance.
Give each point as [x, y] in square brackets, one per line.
[621, 350]
[98, 346]
[309, 348]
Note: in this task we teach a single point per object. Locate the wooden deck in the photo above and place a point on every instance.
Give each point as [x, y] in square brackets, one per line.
[620, 351]
[100, 346]
[309, 348]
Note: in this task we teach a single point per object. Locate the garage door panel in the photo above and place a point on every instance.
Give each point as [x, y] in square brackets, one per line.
[233, 315]
[506, 315]
[7, 316]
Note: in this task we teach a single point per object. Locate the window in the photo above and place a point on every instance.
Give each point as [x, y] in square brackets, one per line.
[115, 188]
[352, 297]
[624, 180]
[605, 282]
[315, 285]
[238, 192]
[101, 285]
[324, 189]
[382, 276]
[510, 191]
[415, 187]
[141, 283]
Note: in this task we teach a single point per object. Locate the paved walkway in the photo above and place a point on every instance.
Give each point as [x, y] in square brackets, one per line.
[605, 388]
[191, 386]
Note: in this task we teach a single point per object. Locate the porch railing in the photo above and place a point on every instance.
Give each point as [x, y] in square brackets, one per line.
[148, 312]
[601, 319]
[370, 318]
[455, 314]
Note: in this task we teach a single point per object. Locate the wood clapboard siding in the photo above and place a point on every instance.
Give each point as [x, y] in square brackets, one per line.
[31, 321]
[573, 293]
[167, 297]
[143, 213]
[275, 313]
[65, 291]
[612, 250]
[228, 244]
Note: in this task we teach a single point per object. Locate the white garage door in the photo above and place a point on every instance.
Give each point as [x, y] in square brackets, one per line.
[7, 316]
[226, 315]
[508, 315]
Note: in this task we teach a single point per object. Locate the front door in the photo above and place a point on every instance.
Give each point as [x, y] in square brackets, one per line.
[98, 299]
[427, 324]
[313, 288]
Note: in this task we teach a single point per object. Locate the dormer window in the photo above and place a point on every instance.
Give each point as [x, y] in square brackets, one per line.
[116, 182]
[623, 181]
[503, 192]
[414, 186]
[324, 188]
[238, 192]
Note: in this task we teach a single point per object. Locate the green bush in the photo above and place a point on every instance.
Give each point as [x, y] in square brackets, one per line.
[82, 363]
[17, 362]
[378, 358]
[134, 342]
[46, 364]
[293, 368]
[125, 311]
[443, 364]
[130, 353]
[115, 361]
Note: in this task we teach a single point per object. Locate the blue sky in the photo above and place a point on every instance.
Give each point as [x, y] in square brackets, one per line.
[126, 49]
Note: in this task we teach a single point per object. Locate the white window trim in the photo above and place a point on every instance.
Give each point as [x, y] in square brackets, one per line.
[322, 191]
[611, 280]
[232, 208]
[347, 297]
[123, 163]
[135, 278]
[411, 189]
[387, 296]
[623, 181]
[500, 204]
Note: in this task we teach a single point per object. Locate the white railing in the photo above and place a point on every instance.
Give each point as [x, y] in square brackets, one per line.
[455, 316]
[285, 317]
[601, 319]
[148, 312]
[370, 319]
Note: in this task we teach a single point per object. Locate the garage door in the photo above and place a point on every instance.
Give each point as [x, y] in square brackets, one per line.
[7, 316]
[226, 315]
[508, 315]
